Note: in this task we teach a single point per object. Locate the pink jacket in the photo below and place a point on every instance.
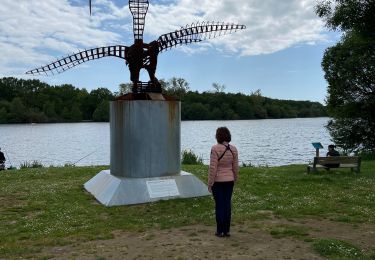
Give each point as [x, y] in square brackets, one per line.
[227, 168]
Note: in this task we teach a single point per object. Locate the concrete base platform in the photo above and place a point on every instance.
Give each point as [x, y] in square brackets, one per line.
[111, 190]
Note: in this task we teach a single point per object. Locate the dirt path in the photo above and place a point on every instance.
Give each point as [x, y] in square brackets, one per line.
[252, 240]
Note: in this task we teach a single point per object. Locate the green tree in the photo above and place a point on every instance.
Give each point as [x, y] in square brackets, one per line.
[125, 88]
[101, 113]
[163, 84]
[8, 88]
[260, 112]
[93, 100]
[349, 70]
[36, 116]
[17, 111]
[49, 110]
[75, 113]
[244, 109]
[218, 87]
[273, 111]
[176, 87]
[195, 111]
[3, 115]
[65, 114]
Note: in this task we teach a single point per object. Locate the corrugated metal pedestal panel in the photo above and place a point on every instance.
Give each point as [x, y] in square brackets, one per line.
[145, 156]
[145, 138]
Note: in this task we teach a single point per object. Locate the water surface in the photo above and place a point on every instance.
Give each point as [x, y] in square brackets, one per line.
[259, 142]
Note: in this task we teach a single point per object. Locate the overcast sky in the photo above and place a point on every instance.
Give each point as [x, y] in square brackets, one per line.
[279, 53]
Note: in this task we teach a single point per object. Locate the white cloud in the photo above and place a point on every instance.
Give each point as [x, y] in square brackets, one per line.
[272, 25]
[32, 33]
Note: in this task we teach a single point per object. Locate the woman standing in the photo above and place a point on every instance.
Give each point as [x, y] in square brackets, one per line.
[222, 175]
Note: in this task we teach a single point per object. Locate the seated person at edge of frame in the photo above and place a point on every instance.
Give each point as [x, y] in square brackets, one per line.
[2, 160]
[332, 152]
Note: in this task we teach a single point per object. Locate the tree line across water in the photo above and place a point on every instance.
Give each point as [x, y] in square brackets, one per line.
[26, 101]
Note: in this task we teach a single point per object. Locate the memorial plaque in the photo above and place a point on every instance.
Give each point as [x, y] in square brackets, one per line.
[162, 188]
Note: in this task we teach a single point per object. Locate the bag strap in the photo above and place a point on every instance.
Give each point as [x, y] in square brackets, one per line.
[227, 147]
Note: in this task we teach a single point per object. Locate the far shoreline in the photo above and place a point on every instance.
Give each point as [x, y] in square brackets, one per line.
[224, 120]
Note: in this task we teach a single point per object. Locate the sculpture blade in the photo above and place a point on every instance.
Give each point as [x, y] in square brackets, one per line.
[79, 58]
[196, 33]
[138, 8]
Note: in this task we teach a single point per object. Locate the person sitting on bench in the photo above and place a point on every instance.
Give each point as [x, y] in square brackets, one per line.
[332, 152]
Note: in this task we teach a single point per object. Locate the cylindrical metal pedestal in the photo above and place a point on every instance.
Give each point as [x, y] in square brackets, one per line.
[145, 156]
[145, 138]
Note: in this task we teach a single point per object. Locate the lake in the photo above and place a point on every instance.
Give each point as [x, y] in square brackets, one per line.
[259, 142]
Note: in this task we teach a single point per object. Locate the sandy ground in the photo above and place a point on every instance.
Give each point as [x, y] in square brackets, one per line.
[251, 240]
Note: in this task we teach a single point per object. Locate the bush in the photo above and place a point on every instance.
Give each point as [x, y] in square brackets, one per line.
[368, 155]
[247, 164]
[33, 164]
[188, 157]
[69, 165]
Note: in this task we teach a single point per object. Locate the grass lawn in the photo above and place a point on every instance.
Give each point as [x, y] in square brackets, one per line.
[48, 206]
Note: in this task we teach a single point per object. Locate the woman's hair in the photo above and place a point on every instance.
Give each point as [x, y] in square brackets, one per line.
[223, 135]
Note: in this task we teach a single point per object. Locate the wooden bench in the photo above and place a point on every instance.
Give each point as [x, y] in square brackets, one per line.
[352, 162]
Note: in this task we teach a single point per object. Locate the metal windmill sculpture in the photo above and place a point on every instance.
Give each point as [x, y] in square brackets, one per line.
[142, 55]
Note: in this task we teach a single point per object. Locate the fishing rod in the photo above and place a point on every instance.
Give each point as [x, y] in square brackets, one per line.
[85, 156]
